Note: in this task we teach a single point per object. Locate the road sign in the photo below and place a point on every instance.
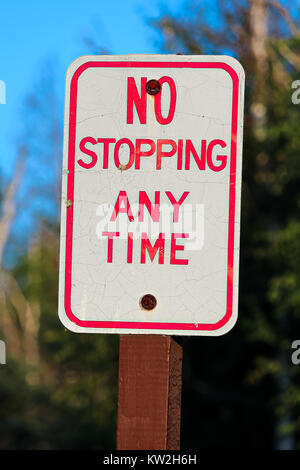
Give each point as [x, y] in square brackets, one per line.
[151, 188]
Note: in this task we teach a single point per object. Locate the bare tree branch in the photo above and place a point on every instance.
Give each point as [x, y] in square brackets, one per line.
[9, 202]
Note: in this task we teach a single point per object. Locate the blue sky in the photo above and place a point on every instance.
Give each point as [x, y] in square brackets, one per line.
[33, 30]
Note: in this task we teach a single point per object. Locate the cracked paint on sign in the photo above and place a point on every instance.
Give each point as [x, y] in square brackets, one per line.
[118, 157]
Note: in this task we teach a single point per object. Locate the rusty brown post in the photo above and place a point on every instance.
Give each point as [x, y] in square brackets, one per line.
[149, 397]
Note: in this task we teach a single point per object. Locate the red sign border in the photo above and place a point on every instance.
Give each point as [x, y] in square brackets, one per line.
[70, 196]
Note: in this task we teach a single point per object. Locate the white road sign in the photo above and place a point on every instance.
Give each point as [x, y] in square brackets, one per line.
[151, 189]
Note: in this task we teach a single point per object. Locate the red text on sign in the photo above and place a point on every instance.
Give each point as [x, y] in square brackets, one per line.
[186, 155]
[138, 100]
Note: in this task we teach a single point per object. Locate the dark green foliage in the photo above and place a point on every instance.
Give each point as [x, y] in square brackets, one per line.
[66, 397]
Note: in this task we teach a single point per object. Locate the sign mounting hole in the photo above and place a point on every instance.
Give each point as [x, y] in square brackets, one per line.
[153, 87]
[148, 302]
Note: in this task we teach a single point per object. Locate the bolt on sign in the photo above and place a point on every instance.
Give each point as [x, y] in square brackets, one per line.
[151, 190]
